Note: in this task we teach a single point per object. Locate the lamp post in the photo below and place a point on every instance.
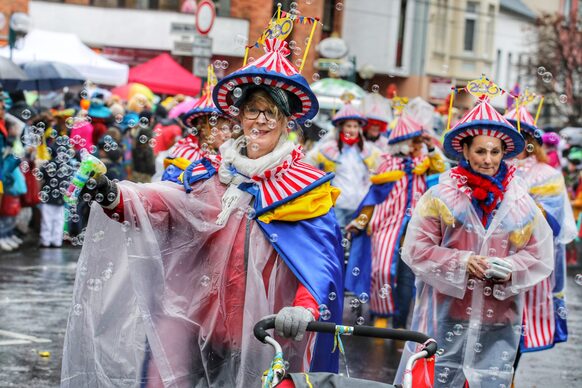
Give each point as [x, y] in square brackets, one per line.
[17, 29]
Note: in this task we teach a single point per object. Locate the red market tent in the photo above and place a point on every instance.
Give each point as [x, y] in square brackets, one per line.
[163, 75]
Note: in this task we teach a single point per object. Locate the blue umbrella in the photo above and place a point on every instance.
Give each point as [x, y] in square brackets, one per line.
[10, 74]
[44, 75]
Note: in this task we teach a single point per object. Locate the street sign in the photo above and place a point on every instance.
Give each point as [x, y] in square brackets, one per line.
[202, 46]
[200, 66]
[205, 16]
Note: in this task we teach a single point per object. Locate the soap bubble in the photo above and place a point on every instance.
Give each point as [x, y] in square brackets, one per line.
[315, 77]
[237, 92]
[449, 336]
[487, 291]
[562, 312]
[364, 298]
[204, 281]
[332, 295]
[25, 114]
[489, 313]
[355, 303]
[273, 237]
[339, 6]
[144, 122]
[375, 88]
[355, 271]
[541, 70]
[345, 242]
[458, 329]
[563, 98]
[530, 148]
[478, 347]
[578, 279]
[325, 315]
[143, 139]
[547, 77]
[258, 80]
[360, 321]
[77, 309]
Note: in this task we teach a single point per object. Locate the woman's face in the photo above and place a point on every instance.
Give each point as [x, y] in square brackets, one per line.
[262, 127]
[216, 135]
[373, 130]
[351, 129]
[484, 154]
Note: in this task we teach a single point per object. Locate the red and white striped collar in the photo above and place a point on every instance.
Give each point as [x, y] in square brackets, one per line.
[288, 178]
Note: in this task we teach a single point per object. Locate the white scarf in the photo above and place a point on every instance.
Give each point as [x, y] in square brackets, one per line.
[245, 169]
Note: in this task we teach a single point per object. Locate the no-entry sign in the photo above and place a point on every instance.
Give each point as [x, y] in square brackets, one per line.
[205, 16]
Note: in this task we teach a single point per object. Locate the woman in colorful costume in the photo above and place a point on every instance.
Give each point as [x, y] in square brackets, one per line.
[196, 271]
[350, 157]
[208, 129]
[375, 267]
[544, 313]
[476, 243]
[379, 114]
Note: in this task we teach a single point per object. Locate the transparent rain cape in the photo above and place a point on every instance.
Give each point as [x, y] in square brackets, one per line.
[157, 304]
[477, 324]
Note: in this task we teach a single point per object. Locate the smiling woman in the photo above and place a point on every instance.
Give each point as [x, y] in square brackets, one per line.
[483, 153]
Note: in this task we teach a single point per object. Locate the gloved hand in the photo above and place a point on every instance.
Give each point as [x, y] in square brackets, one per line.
[292, 322]
[498, 268]
[105, 187]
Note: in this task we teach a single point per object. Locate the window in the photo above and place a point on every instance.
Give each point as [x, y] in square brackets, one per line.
[328, 16]
[401, 30]
[497, 65]
[470, 26]
[441, 24]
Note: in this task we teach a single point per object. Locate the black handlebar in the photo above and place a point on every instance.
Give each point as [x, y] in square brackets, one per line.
[361, 331]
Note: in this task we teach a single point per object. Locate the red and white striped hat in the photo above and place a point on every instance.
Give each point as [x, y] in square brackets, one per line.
[406, 128]
[273, 69]
[526, 122]
[348, 112]
[483, 119]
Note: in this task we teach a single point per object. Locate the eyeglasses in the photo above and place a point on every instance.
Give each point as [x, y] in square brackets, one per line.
[252, 113]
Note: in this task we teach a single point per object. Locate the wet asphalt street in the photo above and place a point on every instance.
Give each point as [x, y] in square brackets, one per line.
[35, 295]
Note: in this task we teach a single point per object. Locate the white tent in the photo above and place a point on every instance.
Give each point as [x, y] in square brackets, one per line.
[67, 48]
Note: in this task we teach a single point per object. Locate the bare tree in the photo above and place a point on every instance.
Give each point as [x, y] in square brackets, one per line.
[559, 65]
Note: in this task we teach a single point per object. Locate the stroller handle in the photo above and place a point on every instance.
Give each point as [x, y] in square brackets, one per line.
[361, 331]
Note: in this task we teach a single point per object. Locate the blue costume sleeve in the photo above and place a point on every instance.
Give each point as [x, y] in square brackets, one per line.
[312, 250]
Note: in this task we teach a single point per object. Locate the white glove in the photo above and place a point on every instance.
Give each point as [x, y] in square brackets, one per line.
[498, 268]
[292, 322]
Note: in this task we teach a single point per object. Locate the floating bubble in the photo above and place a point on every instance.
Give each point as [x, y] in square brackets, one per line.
[356, 271]
[125, 226]
[237, 92]
[355, 303]
[325, 315]
[224, 65]
[363, 297]
[250, 212]
[274, 237]
[144, 122]
[339, 6]
[562, 312]
[315, 77]
[409, 212]
[487, 291]
[332, 296]
[106, 274]
[77, 309]
[272, 124]
[119, 118]
[478, 347]
[468, 310]
[99, 197]
[152, 143]
[307, 123]
[94, 284]
[375, 88]
[322, 133]
[443, 378]
[449, 336]
[489, 313]
[143, 139]
[541, 70]
[257, 80]
[205, 281]
[360, 321]
[458, 329]
[213, 120]
[530, 148]
[547, 77]
[578, 279]
[25, 114]
[255, 147]
[43, 196]
[563, 98]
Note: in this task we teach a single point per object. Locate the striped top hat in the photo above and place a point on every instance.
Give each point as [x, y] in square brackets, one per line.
[205, 105]
[526, 122]
[271, 70]
[483, 119]
[406, 128]
[348, 112]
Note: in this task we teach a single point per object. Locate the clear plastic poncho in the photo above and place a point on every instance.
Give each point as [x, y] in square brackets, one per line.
[161, 300]
[477, 324]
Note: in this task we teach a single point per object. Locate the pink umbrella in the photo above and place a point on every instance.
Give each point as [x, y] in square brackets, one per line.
[182, 107]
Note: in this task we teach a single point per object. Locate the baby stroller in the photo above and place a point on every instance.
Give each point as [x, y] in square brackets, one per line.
[276, 373]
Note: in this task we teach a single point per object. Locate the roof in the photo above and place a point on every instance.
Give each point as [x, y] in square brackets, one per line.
[517, 7]
[164, 75]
